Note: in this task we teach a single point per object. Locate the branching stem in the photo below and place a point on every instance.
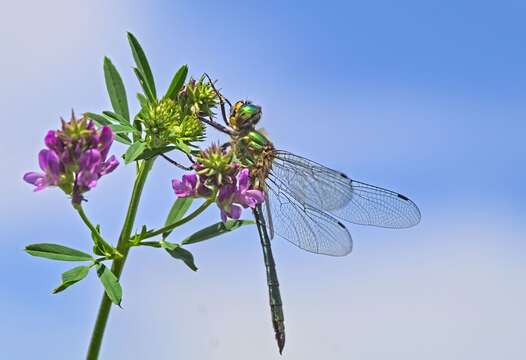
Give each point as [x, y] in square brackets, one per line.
[123, 247]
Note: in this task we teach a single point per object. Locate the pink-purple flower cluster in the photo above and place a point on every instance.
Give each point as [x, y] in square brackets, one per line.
[75, 158]
[232, 196]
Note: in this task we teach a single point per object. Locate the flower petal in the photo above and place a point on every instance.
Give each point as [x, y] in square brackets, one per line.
[105, 140]
[32, 177]
[109, 165]
[90, 159]
[243, 179]
[183, 188]
[223, 216]
[226, 192]
[50, 163]
[87, 179]
[235, 211]
[53, 142]
[190, 181]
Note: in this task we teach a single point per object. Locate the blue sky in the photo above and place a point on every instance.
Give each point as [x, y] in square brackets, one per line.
[426, 98]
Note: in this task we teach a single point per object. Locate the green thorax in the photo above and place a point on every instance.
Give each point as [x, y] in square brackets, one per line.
[255, 151]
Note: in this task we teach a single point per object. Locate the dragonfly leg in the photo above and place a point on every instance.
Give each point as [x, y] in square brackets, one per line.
[215, 125]
[188, 168]
[222, 100]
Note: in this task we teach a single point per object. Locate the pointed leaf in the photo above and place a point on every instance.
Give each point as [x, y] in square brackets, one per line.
[177, 82]
[123, 139]
[183, 147]
[134, 151]
[101, 247]
[71, 277]
[116, 117]
[123, 129]
[150, 153]
[99, 119]
[116, 89]
[215, 230]
[57, 252]
[177, 252]
[179, 208]
[142, 62]
[111, 284]
[142, 100]
[147, 91]
[137, 134]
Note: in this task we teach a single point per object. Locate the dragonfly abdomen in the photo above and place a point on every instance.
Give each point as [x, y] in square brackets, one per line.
[276, 305]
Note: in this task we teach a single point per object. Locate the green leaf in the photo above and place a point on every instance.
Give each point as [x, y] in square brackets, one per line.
[134, 151]
[143, 101]
[123, 139]
[123, 129]
[150, 153]
[177, 252]
[147, 91]
[177, 82]
[142, 62]
[116, 89]
[119, 118]
[109, 121]
[183, 147]
[179, 208]
[111, 284]
[57, 252]
[215, 230]
[101, 247]
[137, 134]
[71, 277]
[99, 119]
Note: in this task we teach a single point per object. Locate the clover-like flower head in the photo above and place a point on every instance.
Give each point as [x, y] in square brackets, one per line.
[75, 158]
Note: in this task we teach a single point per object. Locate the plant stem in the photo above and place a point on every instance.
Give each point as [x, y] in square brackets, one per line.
[84, 218]
[155, 244]
[172, 226]
[118, 264]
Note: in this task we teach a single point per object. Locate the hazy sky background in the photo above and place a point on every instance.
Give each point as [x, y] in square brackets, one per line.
[427, 98]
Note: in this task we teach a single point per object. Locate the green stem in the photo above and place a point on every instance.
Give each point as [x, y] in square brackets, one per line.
[84, 218]
[155, 244]
[123, 247]
[172, 226]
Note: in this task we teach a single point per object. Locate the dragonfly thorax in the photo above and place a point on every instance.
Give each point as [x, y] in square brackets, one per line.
[256, 152]
[244, 116]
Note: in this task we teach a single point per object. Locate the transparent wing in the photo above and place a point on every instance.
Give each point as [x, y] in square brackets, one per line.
[267, 215]
[347, 199]
[303, 225]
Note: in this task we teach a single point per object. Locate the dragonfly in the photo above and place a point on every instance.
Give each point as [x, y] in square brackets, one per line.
[306, 202]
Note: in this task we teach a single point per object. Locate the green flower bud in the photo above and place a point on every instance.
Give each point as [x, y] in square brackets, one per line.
[198, 97]
[216, 164]
[166, 122]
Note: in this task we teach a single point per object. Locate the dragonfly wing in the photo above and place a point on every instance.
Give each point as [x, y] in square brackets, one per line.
[267, 215]
[305, 226]
[347, 199]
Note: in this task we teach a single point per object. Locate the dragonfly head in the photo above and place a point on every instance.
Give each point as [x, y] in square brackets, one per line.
[244, 115]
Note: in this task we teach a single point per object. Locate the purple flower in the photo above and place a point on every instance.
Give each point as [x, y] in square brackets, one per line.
[49, 162]
[234, 192]
[186, 187]
[225, 202]
[75, 158]
[245, 196]
[232, 198]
